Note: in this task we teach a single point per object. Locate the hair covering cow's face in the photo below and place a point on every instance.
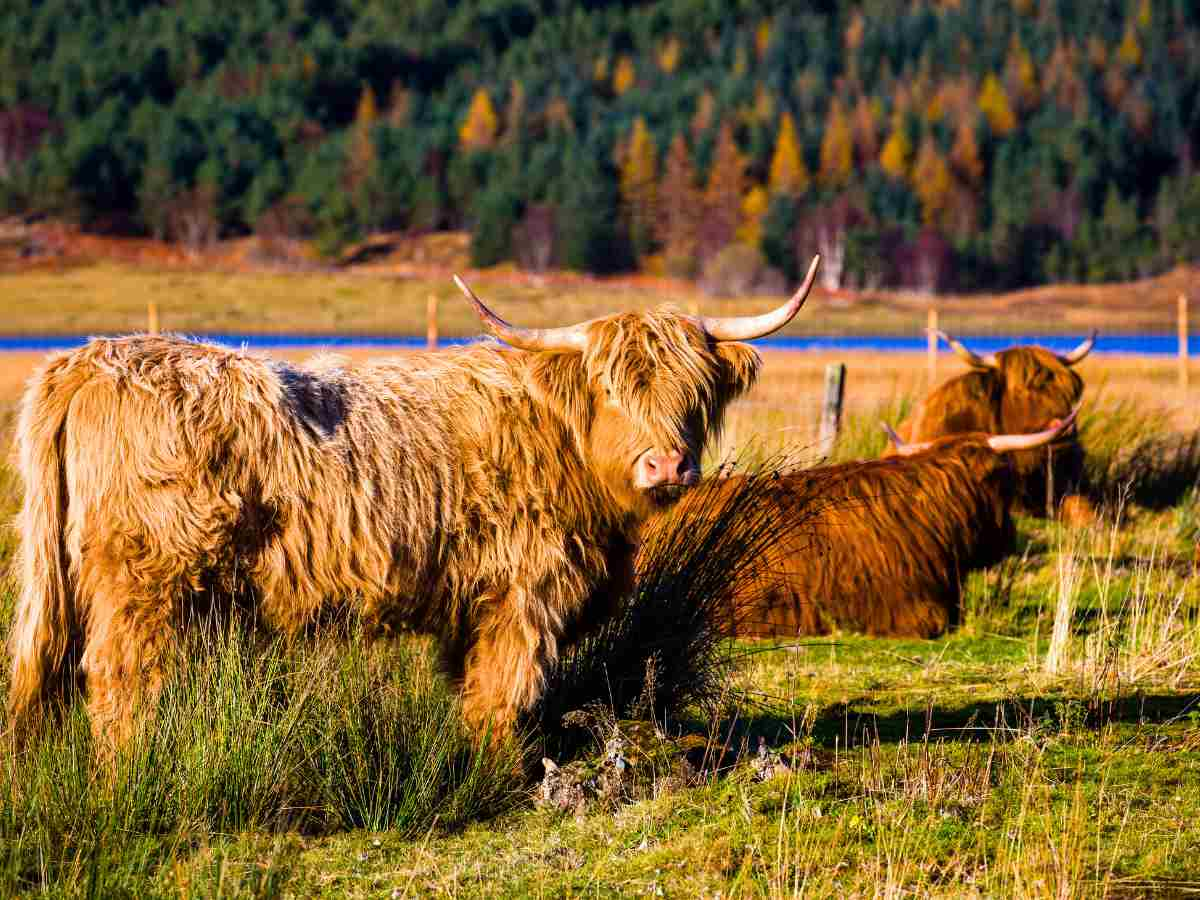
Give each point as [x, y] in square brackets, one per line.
[644, 391]
[659, 388]
[1036, 385]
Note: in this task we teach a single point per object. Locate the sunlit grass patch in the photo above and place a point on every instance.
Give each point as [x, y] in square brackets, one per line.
[251, 735]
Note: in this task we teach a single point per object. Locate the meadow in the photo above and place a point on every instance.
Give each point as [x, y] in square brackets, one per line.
[1050, 747]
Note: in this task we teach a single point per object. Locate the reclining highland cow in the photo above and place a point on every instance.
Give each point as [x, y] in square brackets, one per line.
[1016, 391]
[882, 546]
[488, 496]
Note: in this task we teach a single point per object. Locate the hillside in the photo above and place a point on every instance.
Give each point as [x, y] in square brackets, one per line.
[940, 145]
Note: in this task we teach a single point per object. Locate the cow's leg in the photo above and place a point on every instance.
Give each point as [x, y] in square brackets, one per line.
[130, 629]
[504, 672]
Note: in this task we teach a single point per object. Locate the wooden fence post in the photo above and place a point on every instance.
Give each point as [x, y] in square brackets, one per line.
[431, 325]
[831, 408]
[152, 318]
[1051, 506]
[932, 345]
[1183, 341]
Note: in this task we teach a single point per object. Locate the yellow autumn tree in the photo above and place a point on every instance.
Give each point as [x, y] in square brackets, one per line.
[837, 148]
[514, 113]
[1129, 51]
[764, 105]
[762, 38]
[897, 149]
[478, 131]
[702, 119]
[624, 75]
[788, 174]
[754, 210]
[866, 130]
[668, 55]
[1020, 75]
[361, 160]
[964, 155]
[993, 103]
[931, 182]
[639, 174]
[399, 104]
[679, 209]
[723, 192]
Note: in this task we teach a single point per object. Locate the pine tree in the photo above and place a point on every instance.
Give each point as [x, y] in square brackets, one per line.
[723, 193]
[993, 102]
[837, 149]
[897, 150]
[639, 171]
[478, 130]
[679, 209]
[788, 174]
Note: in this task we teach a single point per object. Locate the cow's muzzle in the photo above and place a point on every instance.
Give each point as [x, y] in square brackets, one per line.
[655, 469]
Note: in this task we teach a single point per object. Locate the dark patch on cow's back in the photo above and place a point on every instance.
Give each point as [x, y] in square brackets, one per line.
[318, 403]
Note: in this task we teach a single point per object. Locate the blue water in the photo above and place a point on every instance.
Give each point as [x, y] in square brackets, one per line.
[1151, 344]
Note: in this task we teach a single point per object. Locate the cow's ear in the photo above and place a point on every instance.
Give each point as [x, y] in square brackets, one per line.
[740, 365]
[561, 379]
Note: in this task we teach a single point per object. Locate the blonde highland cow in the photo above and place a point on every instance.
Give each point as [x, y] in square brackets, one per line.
[488, 496]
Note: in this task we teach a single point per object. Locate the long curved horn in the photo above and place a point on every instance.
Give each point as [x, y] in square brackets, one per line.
[1069, 359]
[1007, 443]
[746, 328]
[570, 337]
[902, 448]
[970, 357]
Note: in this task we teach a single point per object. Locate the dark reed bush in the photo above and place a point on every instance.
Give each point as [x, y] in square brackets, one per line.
[665, 653]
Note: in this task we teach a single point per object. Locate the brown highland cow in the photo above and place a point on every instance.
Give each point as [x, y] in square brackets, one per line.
[488, 496]
[1015, 391]
[882, 546]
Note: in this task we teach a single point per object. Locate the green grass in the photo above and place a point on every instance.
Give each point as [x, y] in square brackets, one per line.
[1049, 747]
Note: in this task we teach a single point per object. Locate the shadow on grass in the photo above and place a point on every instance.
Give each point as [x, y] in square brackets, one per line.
[845, 725]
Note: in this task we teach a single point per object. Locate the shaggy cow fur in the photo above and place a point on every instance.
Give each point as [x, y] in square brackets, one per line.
[1018, 393]
[880, 546]
[482, 495]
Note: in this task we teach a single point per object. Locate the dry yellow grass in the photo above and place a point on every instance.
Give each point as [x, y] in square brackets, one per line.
[784, 408]
[392, 297]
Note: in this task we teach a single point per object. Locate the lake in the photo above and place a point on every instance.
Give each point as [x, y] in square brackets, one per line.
[1150, 344]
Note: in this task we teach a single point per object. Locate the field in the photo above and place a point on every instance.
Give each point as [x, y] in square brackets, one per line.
[105, 284]
[1050, 747]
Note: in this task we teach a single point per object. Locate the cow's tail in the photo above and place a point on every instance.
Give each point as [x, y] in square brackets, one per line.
[45, 627]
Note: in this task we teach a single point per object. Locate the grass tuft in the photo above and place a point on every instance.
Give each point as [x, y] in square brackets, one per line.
[1134, 454]
[665, 652]
[250, 735]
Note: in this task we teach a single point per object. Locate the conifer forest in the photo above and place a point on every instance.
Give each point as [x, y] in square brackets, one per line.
[962, 145]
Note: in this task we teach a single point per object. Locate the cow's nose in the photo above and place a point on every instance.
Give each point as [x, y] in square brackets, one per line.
[674, 467]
